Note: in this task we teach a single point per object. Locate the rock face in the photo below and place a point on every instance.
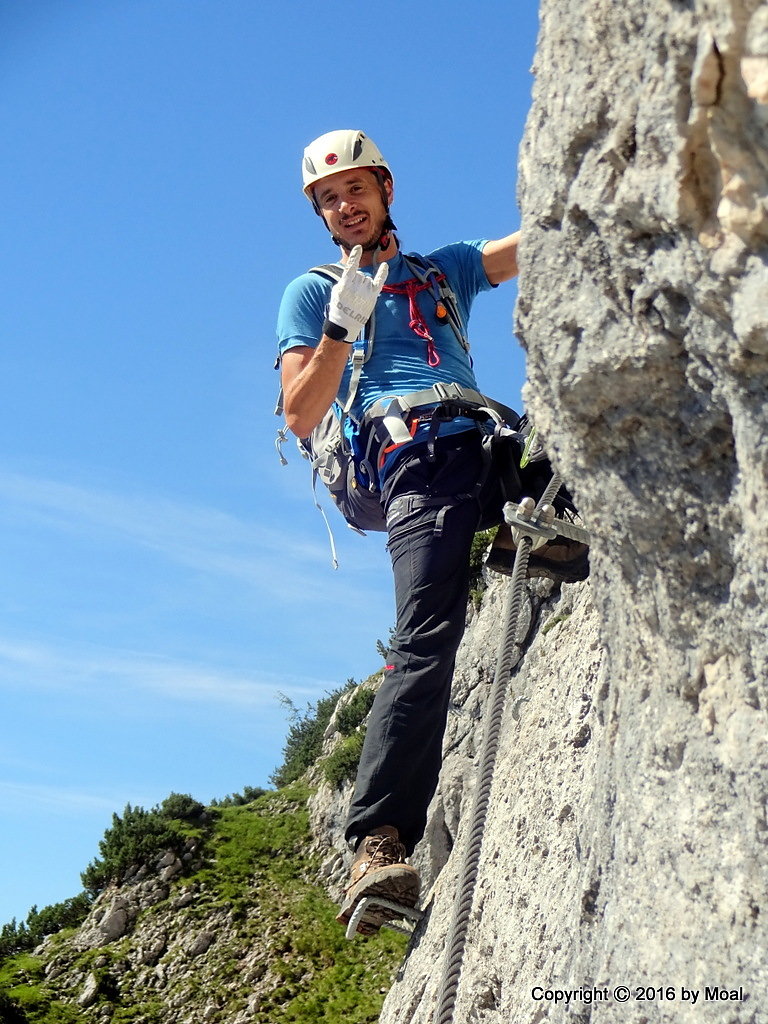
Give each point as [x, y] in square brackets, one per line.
[627, 842]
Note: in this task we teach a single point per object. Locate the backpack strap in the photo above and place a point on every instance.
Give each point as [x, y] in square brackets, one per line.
[437, 283]
[441, 290]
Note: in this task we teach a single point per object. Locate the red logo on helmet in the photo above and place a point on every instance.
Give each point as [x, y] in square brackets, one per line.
[331, 159]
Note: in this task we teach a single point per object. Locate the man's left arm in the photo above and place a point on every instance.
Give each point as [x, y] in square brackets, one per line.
[500, 258]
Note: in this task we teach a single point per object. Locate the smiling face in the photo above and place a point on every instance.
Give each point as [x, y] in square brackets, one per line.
[352, 206]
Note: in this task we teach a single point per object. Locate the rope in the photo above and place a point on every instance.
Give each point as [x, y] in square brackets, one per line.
[468, 878]
[418, 324]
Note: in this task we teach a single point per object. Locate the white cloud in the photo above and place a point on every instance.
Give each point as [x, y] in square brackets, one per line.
[115, 674]
[27, 795]
[295, 563]
[205, 538]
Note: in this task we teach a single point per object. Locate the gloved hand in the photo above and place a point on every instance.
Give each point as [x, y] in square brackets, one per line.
[352, 299]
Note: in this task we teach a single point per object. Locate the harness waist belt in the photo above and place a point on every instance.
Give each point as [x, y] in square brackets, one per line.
[392, 411]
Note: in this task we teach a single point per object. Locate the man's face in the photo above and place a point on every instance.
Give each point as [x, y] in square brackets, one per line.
[351, 205]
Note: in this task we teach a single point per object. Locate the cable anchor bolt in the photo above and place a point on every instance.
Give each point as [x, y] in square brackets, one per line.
[526, 521]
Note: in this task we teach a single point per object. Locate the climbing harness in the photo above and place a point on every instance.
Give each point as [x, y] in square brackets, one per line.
[532, 526]
[387, 424]
[411, 913]
[352, 476]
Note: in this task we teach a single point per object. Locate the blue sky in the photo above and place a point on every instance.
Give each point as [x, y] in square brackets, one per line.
[163, 577]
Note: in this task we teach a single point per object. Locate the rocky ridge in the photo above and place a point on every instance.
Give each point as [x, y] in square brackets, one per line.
[234, 928]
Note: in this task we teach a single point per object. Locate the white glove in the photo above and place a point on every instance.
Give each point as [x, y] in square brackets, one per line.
[352, 299]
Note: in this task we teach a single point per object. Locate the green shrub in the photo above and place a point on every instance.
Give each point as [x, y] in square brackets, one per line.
[480, 543]
[382, 648]
[138, 836]
[249, 794]
[554, 621]
[182, 807]
[263, 864]
[11, 1012]
[342, 764]
[17, 938]
[305, 735]
[132, 840]
[354, 713]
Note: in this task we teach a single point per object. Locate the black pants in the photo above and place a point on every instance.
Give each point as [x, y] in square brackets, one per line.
[434, 508]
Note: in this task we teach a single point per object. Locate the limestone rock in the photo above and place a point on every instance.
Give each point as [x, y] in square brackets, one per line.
[627, 840]
[201, 943]
[90, 992]
[112, 917]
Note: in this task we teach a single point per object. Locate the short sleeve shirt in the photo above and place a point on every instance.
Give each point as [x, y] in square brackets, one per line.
[399, 362]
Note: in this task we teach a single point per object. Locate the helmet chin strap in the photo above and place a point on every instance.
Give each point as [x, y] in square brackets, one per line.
[386, 235]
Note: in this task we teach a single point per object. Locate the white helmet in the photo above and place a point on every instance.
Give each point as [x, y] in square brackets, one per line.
[339, 151]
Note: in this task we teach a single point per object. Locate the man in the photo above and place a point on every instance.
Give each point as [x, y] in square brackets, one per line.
[438, 483]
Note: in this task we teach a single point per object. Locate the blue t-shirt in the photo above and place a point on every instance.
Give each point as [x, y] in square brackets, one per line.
[399, 361]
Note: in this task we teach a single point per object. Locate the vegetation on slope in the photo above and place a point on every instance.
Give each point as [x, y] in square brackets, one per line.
[253, 880]
[304, 743]
[277, 945]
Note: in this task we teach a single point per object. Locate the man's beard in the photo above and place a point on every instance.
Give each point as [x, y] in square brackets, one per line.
[370, 244]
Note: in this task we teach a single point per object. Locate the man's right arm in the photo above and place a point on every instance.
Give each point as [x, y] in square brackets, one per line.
[311, 379]
[311, 376]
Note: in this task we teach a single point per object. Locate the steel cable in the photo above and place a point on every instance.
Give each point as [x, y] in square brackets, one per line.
[459, 926]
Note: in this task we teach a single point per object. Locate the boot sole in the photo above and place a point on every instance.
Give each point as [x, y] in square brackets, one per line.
[394, 883]
[575, 570]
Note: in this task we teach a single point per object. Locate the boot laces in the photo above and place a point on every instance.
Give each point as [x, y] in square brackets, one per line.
[384, 850]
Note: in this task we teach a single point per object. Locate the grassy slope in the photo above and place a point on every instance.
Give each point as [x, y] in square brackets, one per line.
[260, 876]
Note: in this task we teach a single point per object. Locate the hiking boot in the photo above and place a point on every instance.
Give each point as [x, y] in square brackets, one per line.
[379, 869]
[561, 559]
